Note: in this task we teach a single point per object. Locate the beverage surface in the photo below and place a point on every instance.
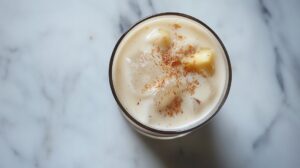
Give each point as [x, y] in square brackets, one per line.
[170, 72]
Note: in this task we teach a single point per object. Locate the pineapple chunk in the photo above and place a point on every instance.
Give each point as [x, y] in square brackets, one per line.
[160, 38]
[201, 62]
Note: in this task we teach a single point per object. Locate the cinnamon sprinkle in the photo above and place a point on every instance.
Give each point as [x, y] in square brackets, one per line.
[197, 100]
[187, 51]
[178, 36]
[169, 61]
[173, 108]
[138, 103]
[157, 84]
[175, 63]
[177, 26]
[191, 87]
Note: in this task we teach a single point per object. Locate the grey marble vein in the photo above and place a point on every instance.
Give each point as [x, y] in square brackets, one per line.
[7, 57]
[134, 6]
[263, 139]
[278, 69]
[150, 3]
[124, 24]
[265, 11]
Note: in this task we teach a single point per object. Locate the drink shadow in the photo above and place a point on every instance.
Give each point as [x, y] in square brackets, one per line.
[197, 149]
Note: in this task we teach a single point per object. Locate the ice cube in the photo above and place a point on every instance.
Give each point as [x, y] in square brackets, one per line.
[159, 37]
[165, 95]
[143, 70]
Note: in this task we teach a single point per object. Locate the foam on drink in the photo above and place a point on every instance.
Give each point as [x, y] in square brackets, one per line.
[169, 72]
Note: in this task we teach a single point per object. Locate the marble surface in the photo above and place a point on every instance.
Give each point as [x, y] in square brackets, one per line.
[57, 110]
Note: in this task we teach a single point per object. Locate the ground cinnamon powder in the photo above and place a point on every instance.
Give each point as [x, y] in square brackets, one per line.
[169, 61]
[173, 108]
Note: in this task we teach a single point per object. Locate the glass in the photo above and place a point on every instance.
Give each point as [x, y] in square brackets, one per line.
[162, 134]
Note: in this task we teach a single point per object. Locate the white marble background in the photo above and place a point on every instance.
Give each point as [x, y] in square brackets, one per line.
[57, 110]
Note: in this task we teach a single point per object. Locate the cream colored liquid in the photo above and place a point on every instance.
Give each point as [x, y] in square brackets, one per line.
[130, 75]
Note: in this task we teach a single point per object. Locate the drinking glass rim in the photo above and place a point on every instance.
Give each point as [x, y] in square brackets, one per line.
[167, 132]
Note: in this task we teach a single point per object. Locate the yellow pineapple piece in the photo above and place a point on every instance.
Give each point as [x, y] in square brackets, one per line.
[201, 62]
[160, 38]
